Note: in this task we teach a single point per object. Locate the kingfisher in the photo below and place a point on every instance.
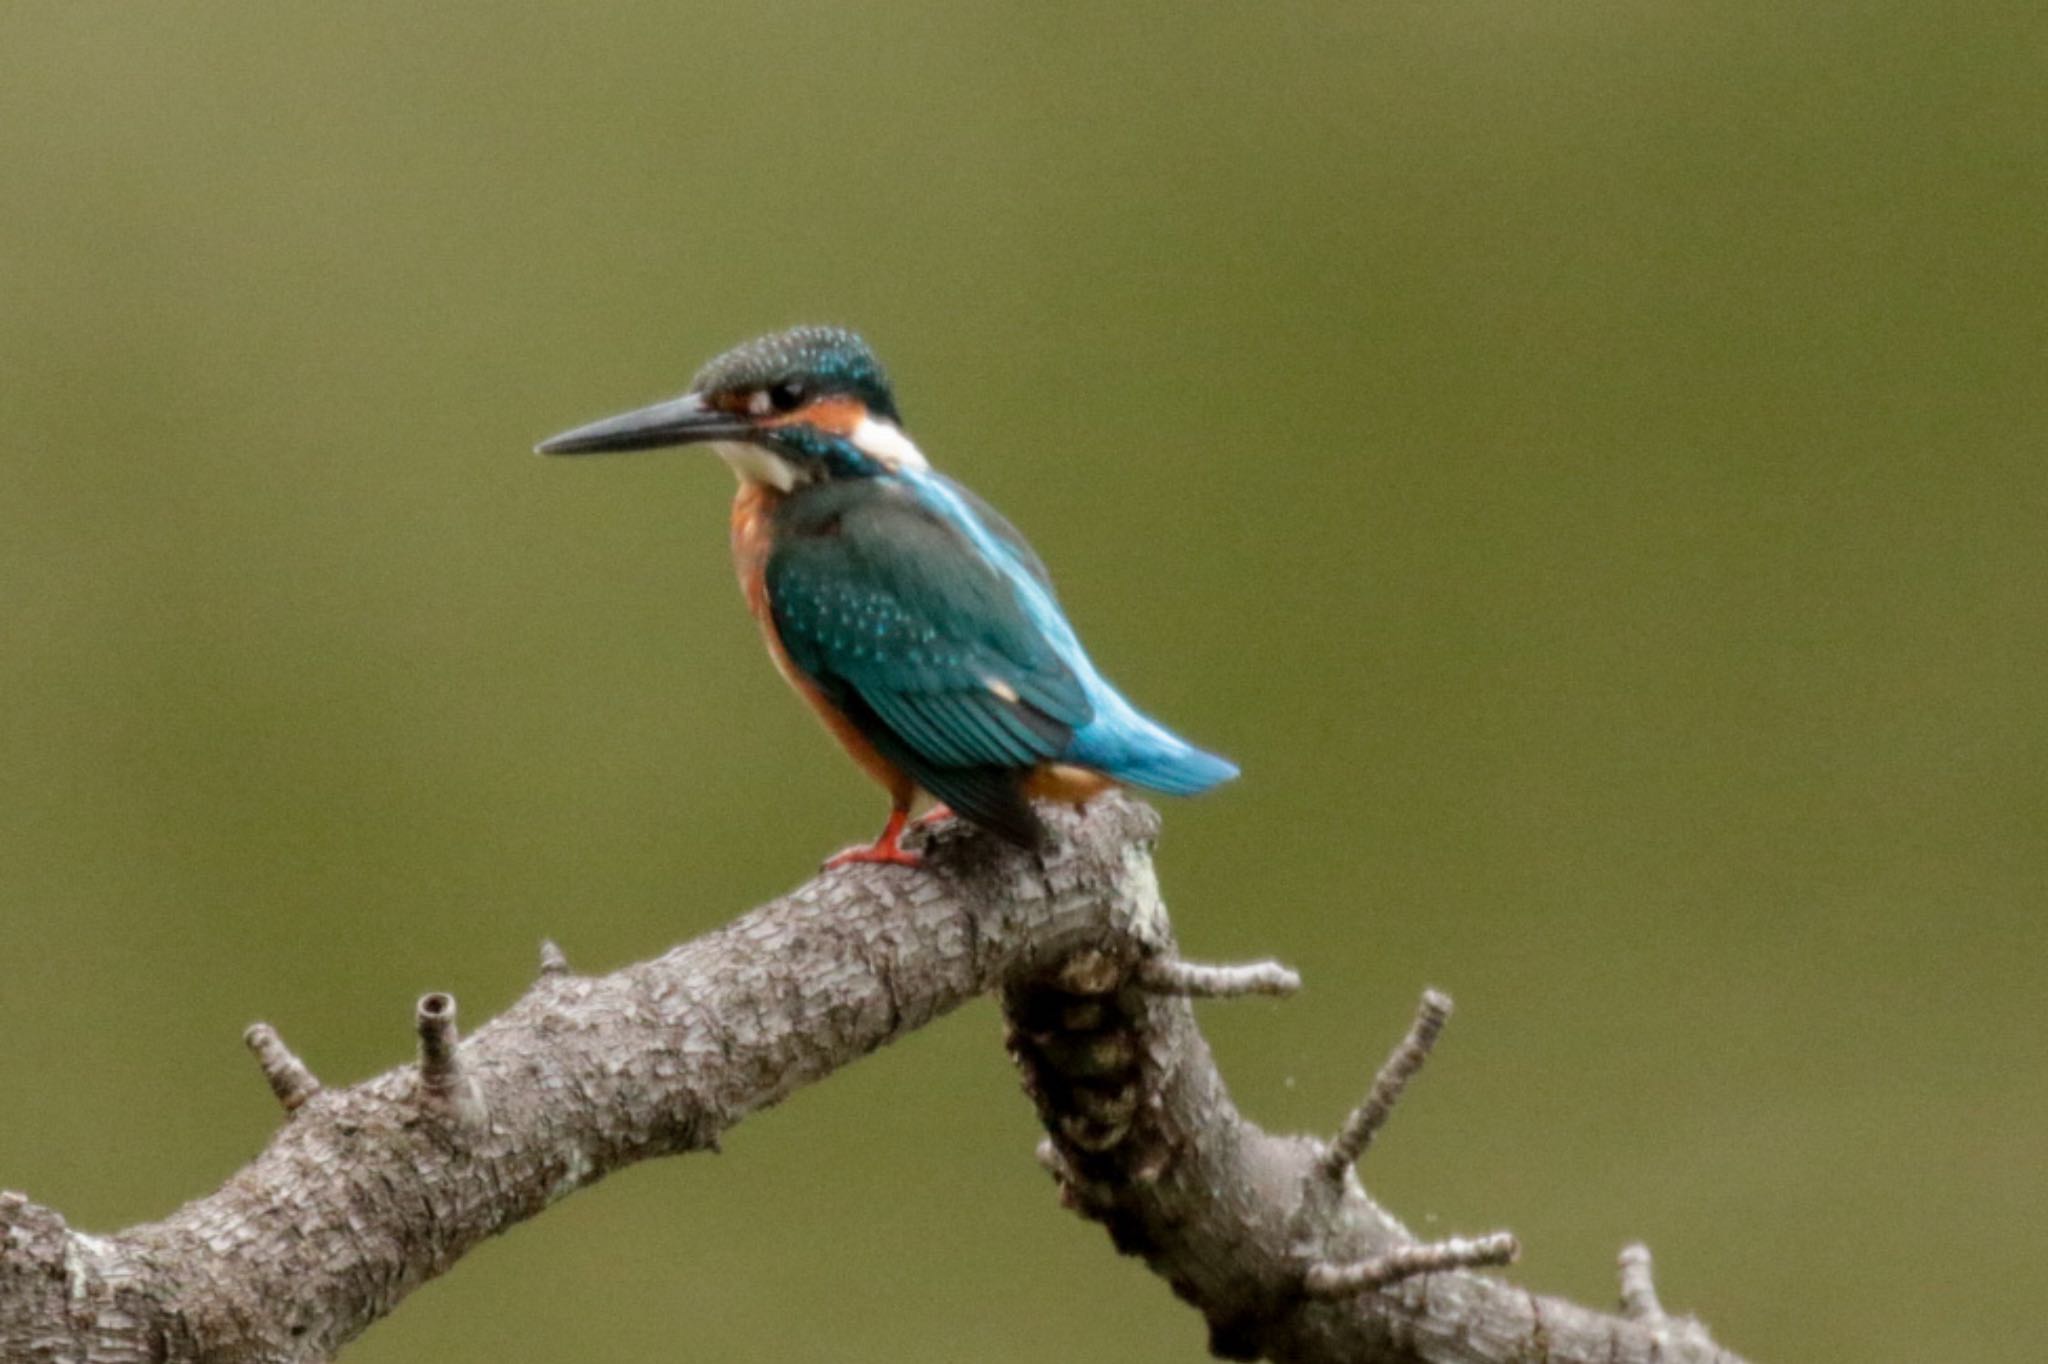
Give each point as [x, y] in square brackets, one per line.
[915, 619]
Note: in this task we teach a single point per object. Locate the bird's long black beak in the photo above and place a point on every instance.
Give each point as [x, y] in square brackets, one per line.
[680, 421]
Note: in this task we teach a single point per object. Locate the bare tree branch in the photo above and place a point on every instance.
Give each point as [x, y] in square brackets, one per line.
[368, 1192]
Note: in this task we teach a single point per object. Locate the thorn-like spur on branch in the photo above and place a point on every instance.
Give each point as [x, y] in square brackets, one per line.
[1640, 1304]
[288, 1076]
[552, 960]
[1172, 976]
[1366, 1120]
[1638, 1286]
[444, 1084]
[1405, 1262]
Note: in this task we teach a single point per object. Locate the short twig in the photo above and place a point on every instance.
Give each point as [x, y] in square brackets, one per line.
[1405, 1262]
[1172, 976]
[1366, 1120]
[289, 1078]
[443, 1082]
[1638, 1285]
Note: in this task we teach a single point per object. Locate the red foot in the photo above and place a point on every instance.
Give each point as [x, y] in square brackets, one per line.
[886, 849]
[937, 814]
[895, 857]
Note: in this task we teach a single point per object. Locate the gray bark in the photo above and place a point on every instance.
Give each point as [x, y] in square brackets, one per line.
[368, 1192]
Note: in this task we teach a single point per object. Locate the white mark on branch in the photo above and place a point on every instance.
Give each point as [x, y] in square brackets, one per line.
[1172, 976]
[444, 1083]
[1366, 1120]
[1326, 1280]
[84, 1257]
[1147, 906]
[577, 1168]
[287, 1075]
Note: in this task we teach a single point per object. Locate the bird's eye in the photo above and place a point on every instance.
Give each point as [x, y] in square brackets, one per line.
[786, 396]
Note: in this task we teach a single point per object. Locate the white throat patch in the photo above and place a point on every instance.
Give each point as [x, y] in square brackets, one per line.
[884, 442]
[756, 465]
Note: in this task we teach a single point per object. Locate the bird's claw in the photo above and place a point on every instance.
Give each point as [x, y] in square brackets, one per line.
[884, 854]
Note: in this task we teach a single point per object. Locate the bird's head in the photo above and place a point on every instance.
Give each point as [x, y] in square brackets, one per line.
[801, 406]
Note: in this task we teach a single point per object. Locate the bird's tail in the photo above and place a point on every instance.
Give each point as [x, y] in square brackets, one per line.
[1186, 773]
[1137, 750]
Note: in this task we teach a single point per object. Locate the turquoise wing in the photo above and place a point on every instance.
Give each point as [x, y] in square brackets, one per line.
[922, 644]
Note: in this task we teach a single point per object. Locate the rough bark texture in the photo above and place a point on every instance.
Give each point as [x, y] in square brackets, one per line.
[368, 1192]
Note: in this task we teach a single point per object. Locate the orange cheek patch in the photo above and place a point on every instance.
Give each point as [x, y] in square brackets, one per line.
[836, 416]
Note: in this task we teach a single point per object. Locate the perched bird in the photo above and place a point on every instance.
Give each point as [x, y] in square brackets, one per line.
[906, 610]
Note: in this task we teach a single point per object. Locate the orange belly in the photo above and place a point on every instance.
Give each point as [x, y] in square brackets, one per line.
[751, 543]
[1066, 782]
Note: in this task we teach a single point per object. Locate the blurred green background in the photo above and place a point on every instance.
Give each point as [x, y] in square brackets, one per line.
[1584, 461]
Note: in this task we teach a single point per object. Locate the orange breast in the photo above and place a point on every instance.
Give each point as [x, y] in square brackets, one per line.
[752, 541]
